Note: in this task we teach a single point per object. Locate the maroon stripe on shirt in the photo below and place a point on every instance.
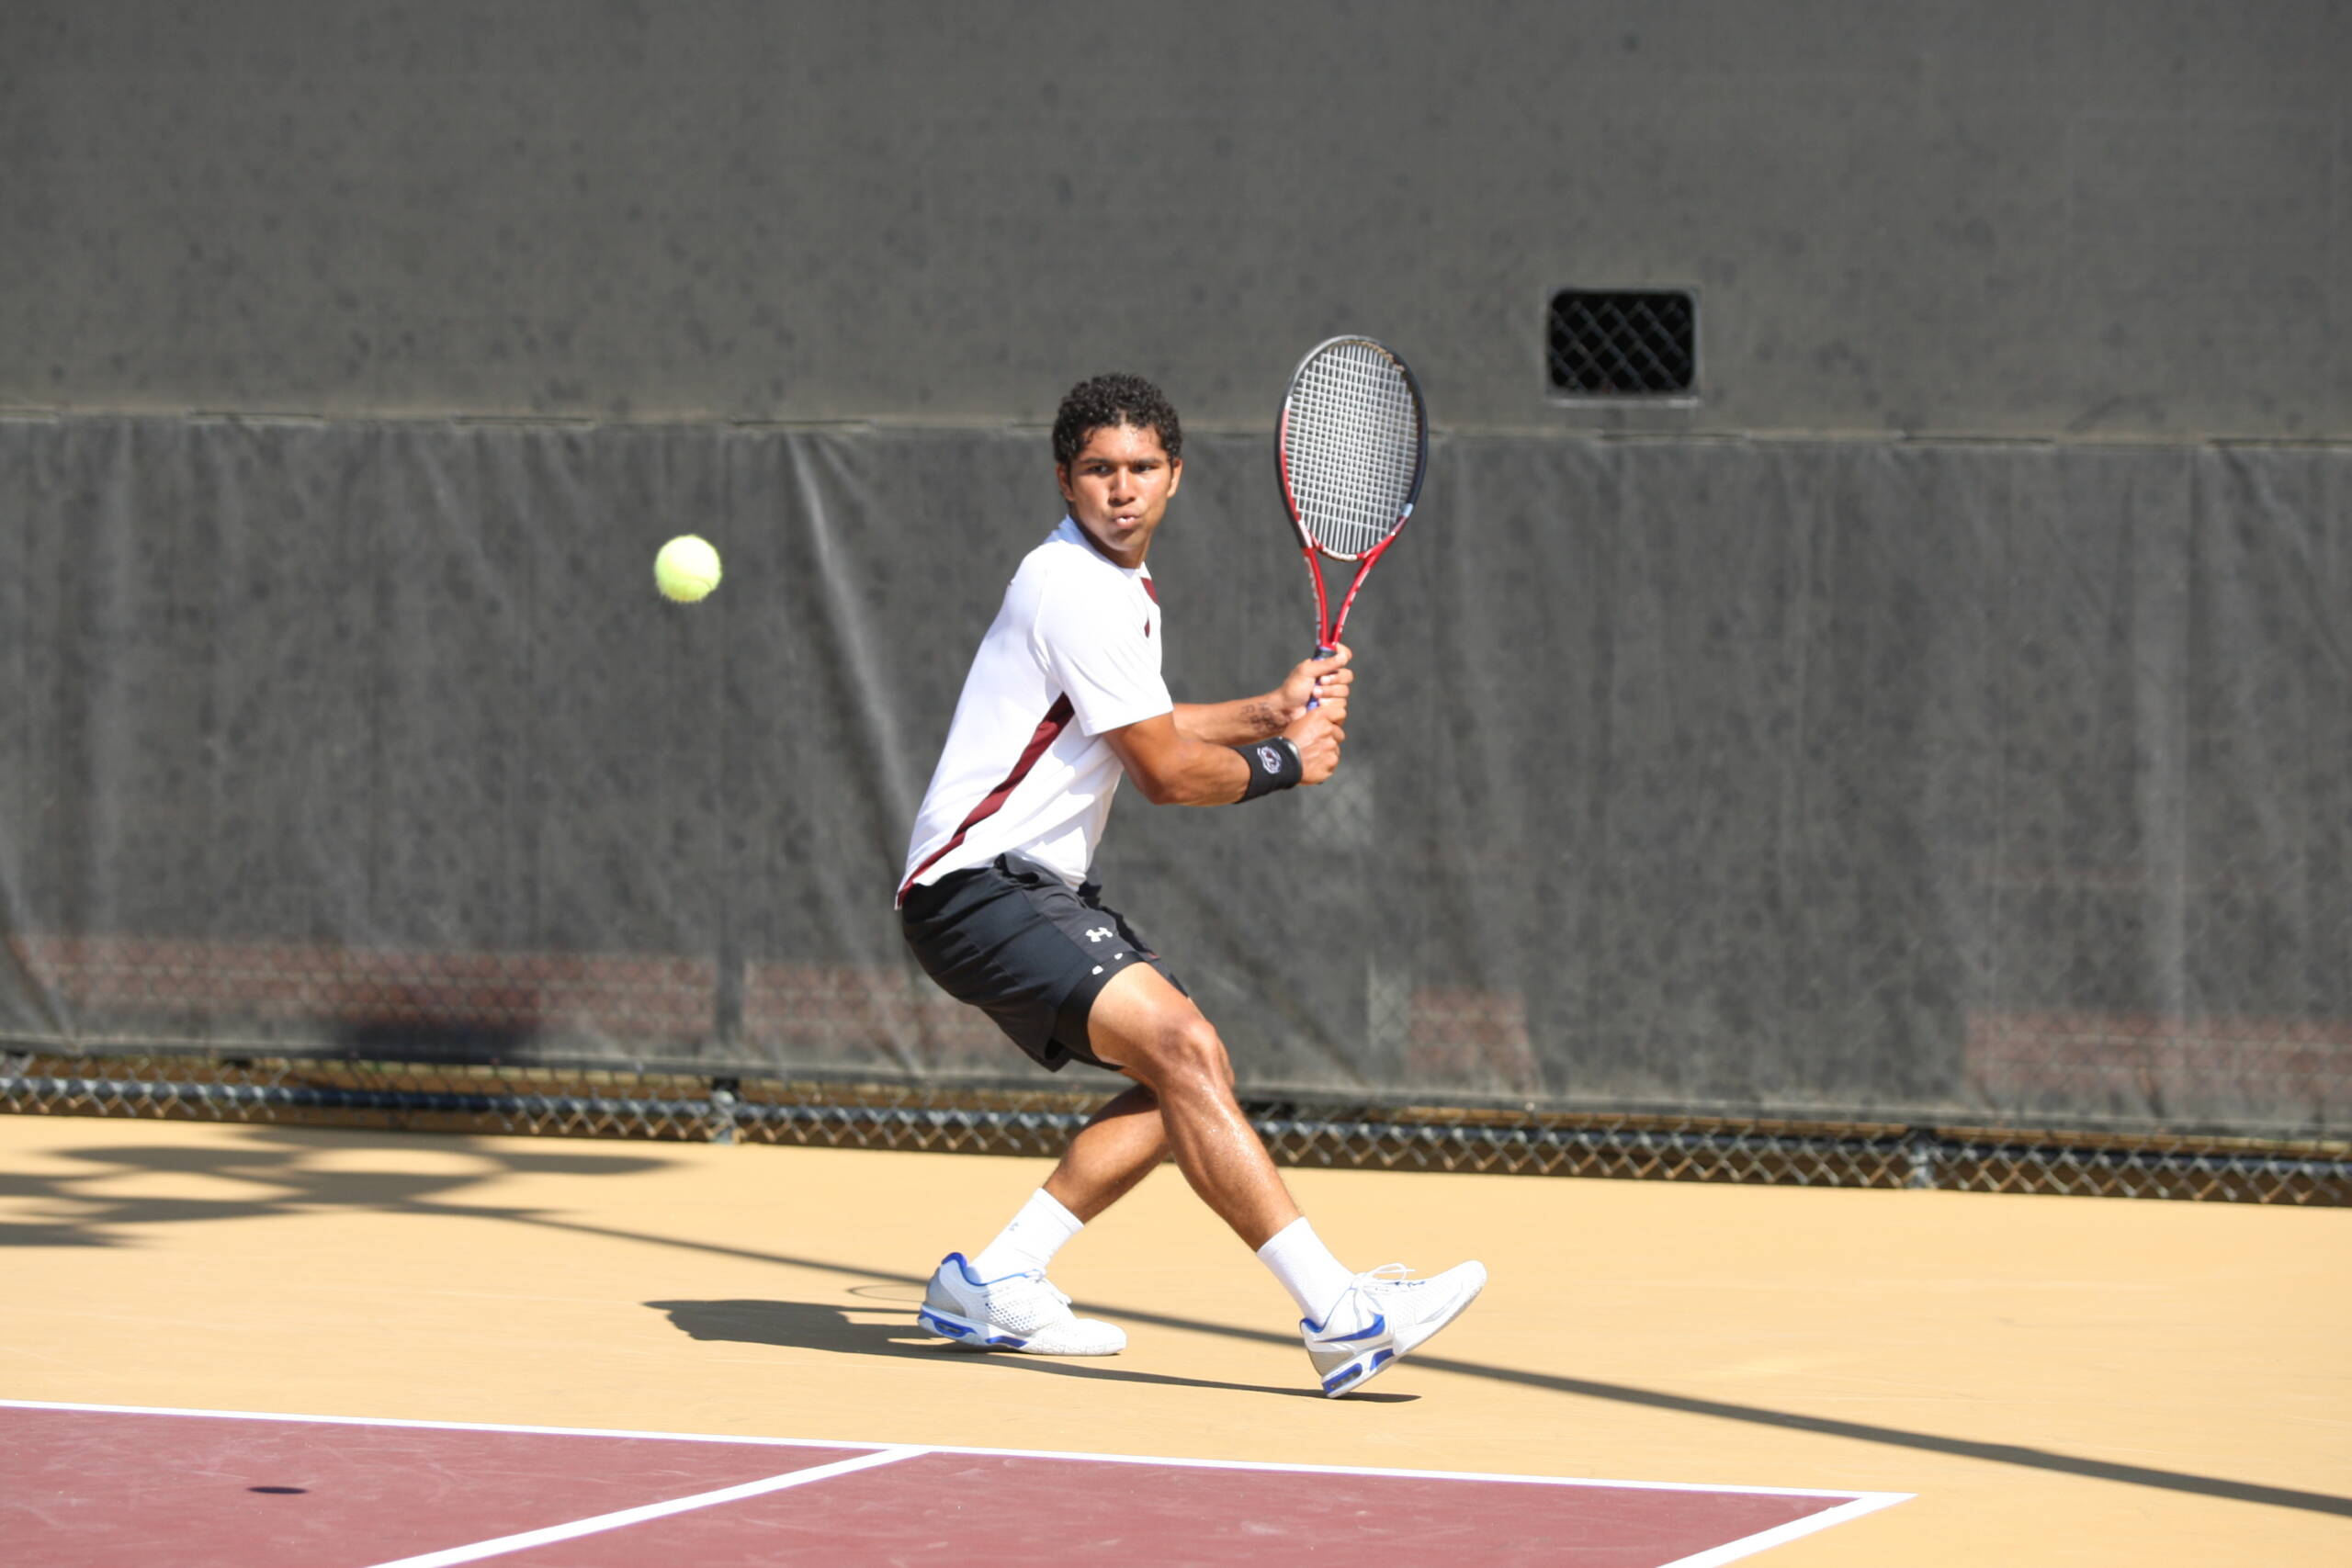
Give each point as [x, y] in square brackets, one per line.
[1049, 731]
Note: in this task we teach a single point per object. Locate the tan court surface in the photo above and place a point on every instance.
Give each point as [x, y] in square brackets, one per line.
[2059, 1380]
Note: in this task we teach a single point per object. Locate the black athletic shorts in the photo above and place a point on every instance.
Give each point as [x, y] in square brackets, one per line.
[1014, 940]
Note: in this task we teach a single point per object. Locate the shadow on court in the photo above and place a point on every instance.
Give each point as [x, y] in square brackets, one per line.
[811, 1325]
[1582, 1388]
[271, 1171]
[265, 1172]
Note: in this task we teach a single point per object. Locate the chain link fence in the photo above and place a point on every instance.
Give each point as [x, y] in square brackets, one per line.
[989, 1119]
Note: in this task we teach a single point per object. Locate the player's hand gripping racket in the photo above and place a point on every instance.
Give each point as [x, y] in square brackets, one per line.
[1351, 448]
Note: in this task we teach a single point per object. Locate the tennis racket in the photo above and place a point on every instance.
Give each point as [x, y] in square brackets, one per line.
[1352, 444]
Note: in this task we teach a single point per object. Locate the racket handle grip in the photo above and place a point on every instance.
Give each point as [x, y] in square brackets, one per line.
[1320, 652]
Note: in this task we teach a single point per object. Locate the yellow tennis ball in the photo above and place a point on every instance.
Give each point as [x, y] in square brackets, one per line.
[686, 570]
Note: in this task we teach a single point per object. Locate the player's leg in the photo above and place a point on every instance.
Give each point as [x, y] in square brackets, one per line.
[1119, 1144]
[1068, 979]
[1354, 1325]
[1151, 1031]
[1139, 1023]
[1002, 941]
[1001, 1294]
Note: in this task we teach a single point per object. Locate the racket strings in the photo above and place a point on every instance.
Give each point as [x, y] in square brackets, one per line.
[1352, 447]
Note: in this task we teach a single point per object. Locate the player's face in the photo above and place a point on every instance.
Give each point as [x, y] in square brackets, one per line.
[1118, 487]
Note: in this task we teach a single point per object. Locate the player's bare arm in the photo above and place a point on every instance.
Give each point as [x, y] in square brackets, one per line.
[1172, 768]
[1246, 720]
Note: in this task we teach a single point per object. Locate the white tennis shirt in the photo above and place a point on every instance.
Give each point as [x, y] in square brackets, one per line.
[1074, 652]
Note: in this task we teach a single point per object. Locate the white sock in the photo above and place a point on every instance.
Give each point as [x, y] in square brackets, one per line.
[1315, 1278]
[1030, 1242]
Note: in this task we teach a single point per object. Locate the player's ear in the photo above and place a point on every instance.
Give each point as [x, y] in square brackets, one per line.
[1061, 477]
[1175, 474]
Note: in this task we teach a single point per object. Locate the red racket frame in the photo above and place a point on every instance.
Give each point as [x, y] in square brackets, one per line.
[1327, 628]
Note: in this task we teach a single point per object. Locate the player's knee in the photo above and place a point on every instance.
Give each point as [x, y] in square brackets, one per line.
[1182, 1056]
[1196, 1056]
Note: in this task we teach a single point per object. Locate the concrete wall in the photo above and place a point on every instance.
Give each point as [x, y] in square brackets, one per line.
[2070, 218]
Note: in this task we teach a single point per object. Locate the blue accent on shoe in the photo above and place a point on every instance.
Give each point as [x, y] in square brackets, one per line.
[949, 1329]
[971, 1275]
[1379, 1325]
[941, 1326]
[1357, 1370]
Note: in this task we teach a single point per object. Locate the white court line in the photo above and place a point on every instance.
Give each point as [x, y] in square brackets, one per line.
[1884, 1498]
[1762, 1541]
[1874, 1499]
[500, 1545]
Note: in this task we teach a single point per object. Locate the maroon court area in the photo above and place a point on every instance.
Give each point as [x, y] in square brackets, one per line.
[89, 1488]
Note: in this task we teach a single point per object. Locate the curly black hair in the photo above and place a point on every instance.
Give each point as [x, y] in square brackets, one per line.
[1113, 401]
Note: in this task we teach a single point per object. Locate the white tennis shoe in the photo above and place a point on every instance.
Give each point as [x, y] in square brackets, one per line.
[1384, 1316]
[1019, 1312]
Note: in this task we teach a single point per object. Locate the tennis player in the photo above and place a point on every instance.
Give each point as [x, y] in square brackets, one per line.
[1063, 701]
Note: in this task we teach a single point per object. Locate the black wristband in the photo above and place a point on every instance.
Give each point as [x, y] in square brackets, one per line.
[1273, 764]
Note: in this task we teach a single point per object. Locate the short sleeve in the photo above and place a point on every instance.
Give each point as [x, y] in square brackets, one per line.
[1098, 648]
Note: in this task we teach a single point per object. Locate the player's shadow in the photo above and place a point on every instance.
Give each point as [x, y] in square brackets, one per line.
[876, 1331]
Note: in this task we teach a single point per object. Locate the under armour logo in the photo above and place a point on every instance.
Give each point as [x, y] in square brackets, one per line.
[1270, 759]
[1101, 934]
